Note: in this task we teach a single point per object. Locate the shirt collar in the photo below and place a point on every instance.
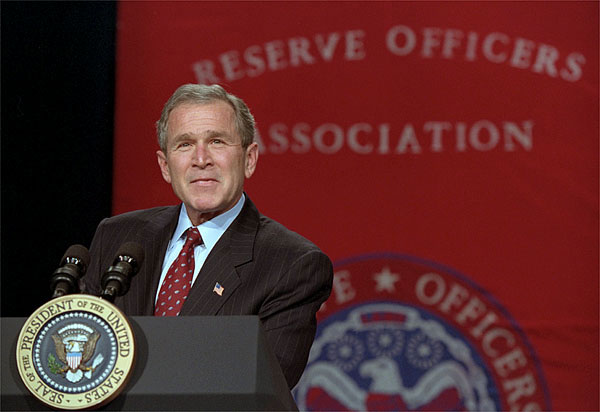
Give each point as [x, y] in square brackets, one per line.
[210, 230]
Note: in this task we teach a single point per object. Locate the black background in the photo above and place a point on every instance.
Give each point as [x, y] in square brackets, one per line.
[58, 65]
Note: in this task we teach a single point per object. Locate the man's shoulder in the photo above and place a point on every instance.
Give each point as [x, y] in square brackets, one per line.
[269, 235]
[142, 216]
[278, 249]
[279, 236]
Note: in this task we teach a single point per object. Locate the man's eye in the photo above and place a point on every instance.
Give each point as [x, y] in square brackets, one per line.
[183, 145]
[217, 141]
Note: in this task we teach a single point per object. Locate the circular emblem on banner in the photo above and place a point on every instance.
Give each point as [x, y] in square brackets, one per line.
[401, 333]
[76, 352]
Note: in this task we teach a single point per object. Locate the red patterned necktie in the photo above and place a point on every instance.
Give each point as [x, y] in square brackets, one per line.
[178, 281]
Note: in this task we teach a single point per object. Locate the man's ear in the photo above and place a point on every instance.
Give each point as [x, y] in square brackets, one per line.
[251, 159]
[164, 167]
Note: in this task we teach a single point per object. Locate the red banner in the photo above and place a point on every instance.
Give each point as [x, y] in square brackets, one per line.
[444, 155]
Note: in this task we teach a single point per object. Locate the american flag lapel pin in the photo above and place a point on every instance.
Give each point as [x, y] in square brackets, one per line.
[218, 289]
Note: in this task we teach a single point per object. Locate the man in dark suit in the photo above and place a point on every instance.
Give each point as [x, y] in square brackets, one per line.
[236, 261]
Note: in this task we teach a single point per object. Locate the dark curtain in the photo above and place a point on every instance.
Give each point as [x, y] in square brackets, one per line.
[57, 68]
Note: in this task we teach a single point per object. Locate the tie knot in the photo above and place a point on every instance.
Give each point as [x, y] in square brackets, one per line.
[193, 237]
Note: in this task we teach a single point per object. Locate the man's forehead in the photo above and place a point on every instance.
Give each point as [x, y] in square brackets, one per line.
[195, 113]
[210, 119]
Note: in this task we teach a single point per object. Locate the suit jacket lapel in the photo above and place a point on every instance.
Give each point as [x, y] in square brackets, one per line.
[222, 266]
[155, 238]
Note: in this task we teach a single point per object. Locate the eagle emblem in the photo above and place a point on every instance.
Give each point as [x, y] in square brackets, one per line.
[75, 345]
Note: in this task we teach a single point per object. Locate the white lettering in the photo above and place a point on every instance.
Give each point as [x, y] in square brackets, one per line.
[257, 64]
[410, 40]
[277, 132]
[424, 287]
[493, 335]
[452, 39]
[454, 299]
[522, 53]
[319, 138]
[299, 51]
[327, 47]
[366, 138]
[513, 132]
[355, 49]
[408, 139]
[546, 60]
[400, 40]
[384, 139]
[431, 40]
[510, 362]
[488, 47]
[231, 65]
[437, 129]
[301, 138]
[471, 311]
[475, 135]
[471, 52]
[519, 387]
[574, 62]
[342, 288]
[353, 142]
[487, 321]
[205, 72]
[275, 55]
[461, 137]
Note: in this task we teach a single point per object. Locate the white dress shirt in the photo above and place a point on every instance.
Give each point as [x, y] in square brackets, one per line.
[211, 231]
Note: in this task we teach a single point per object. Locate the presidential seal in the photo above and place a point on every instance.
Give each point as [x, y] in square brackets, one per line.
[403, 333]
[76, 352]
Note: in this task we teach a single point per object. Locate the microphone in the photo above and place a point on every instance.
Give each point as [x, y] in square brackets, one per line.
[74, 263]
[127, 262]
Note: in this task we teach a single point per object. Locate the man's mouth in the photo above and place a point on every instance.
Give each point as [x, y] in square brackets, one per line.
[203, 181]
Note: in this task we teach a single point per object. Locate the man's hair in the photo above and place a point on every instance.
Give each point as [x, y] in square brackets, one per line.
[205, 94]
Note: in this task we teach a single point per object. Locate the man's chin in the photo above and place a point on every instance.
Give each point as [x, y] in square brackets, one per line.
[202, 211]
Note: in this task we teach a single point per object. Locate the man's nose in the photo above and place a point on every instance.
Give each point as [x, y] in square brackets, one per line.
[201, 155]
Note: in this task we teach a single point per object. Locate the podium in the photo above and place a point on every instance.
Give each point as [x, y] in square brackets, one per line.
[217, 363]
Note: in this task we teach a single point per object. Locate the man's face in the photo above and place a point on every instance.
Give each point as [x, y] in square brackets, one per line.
[205, 162]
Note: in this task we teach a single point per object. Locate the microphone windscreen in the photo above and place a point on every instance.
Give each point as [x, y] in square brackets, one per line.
[133, 250]
[77, 251]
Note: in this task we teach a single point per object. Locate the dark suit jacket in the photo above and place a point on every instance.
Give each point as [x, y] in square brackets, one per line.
[265, 269]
